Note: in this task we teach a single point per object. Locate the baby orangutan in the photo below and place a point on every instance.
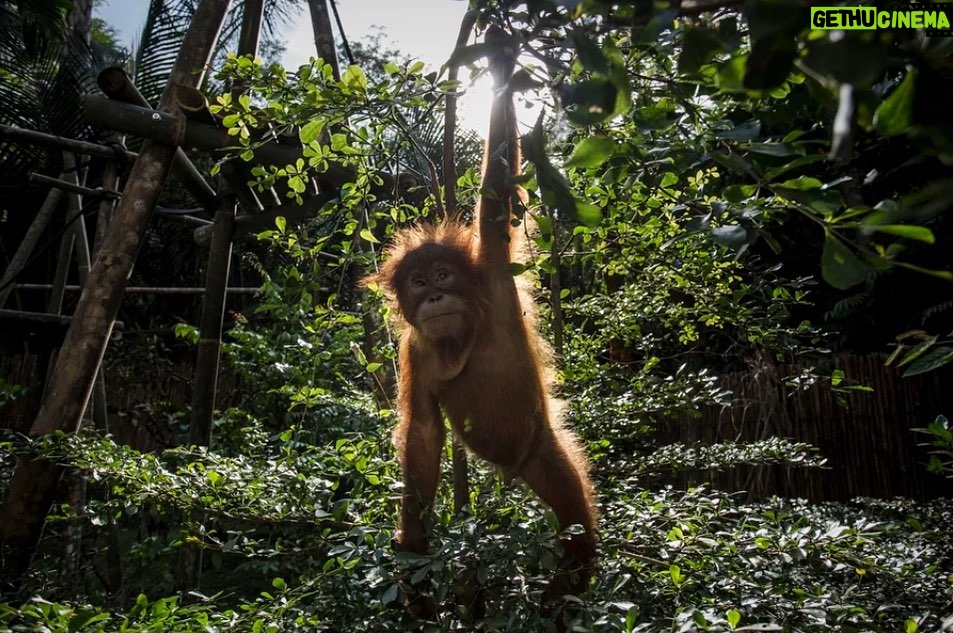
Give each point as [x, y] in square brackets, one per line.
[469, 348]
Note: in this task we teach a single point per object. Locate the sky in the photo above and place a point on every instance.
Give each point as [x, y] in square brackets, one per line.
[431, 42]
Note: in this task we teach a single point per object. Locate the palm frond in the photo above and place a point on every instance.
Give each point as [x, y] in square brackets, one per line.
[159, 44]
[43, 77]
[165, 28]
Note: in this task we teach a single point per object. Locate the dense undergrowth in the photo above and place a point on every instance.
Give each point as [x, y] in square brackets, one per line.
[301, 540]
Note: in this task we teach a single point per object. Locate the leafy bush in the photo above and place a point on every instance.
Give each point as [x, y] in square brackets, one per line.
[672, 560]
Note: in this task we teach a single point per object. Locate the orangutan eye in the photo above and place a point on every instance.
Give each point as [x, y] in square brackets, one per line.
[442, 274]
[418, 282]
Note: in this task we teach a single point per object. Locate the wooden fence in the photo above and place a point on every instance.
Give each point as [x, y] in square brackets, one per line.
[869, 444]
[870, 447]
[140, 404]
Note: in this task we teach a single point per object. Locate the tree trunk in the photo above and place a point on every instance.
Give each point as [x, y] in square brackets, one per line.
[80, 19]
[33, 486]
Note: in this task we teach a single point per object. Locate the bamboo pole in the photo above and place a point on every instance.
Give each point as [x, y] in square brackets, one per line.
[107, 206]
[164, 128]
[99, 150]
[219, 260]
[76, 480]
[116, 84]
[72, 187]
[213, 307]
[30, 240]
[82, 251]
[73, 215]
[33, 486]
[210, 328]
[142, 290]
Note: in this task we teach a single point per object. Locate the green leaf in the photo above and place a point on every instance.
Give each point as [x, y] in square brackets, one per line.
[390, 595]
[895, 114]
[739, 193]
[911, 232]
[698, 48]
[588, 214]
[296, 184]
[469, 54]
[354, 78]
[781, 150]
[743, 132]
[939, 274]
[521, 81]
[804, 183]
[281, 223]
[732, 236]
[590, 101]
[840, 267]
[590, 54]
[774, 172]
[545, 225]
[592, 151]
[85, 618]
[910, 626]
[369, 237]
[917, 351]
[554, 187]
[731, 74]
[935, 358]
[734, 617]
[631, 615]
[837, 377]
[769, 62]
[676, 573]
[827, 202]
[311, 131]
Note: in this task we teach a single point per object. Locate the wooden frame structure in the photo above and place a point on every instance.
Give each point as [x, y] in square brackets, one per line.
[180, 120]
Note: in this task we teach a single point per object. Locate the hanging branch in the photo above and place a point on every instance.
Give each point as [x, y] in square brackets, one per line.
[431, 167]
[461, 477]
[450, 118]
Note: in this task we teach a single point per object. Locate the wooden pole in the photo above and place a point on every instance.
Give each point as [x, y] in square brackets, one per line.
[34, 483]
[143, 290]
[165, 128]
[83, 264]
[384, 380]
[30, 240]
[206, 365]
[14, 133]
[73, 215]
[216, 274]
[72, 187]
[213, 308]
[116, 84]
